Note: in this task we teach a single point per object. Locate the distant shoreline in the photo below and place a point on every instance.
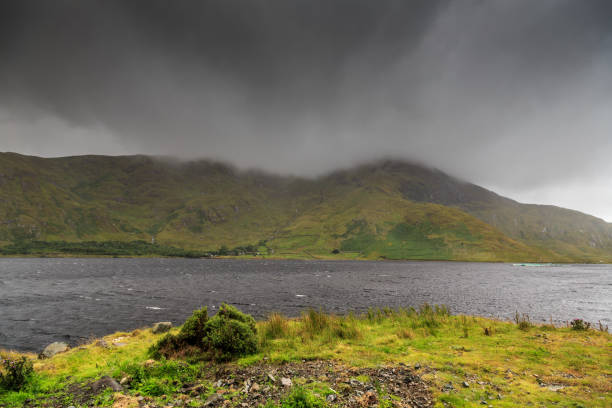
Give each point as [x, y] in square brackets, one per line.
[297, 258]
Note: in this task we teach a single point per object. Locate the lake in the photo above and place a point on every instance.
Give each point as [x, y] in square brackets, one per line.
[45, 300]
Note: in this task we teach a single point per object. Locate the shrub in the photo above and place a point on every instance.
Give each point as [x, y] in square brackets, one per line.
[15, 373]
[228, 338]
[187, 343]
[192, 331]
[230, 333]
[229, 312]
[579, 324]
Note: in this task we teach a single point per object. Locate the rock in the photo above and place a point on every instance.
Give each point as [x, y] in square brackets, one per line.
[194, 389]
[149, 363]
[465, 384]
[102, 343]
[53, 349]
[161, 327]
[212, 400]
[247, 386]
[368, 399]
[286, 382]
[271, 378]
[331, 398]
[105, 382]
[411, 379]
[125, 380]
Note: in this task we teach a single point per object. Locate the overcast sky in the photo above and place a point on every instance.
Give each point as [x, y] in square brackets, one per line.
[512, 95]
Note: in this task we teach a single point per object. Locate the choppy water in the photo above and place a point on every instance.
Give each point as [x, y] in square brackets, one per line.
[46, 300]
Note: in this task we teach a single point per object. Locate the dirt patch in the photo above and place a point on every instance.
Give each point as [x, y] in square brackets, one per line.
[125, 401]
[341, 385]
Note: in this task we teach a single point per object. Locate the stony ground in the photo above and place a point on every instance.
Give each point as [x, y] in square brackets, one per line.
[252, 386]
[344, 386]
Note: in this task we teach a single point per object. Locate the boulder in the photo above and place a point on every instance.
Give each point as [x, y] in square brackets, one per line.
[213, 400]
[161, 327]
[52, 349]
[102, 343]
[105, 382]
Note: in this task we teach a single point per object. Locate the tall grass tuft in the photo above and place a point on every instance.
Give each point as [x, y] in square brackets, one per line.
[314, 322]
[522, 321]
[276, 326]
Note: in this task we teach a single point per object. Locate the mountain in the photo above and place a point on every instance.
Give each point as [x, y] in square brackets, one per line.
[386, 209]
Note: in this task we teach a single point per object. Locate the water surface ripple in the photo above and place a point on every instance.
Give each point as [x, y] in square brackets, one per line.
[46, 300]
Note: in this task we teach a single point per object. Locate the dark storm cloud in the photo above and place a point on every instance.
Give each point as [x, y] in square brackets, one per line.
[512, 94]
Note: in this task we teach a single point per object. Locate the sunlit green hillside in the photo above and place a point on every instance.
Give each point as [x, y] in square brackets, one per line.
[387, 209]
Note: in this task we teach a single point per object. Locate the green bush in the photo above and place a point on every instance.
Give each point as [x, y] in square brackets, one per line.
[230, 333]
[15, 374]
[579, 324]
[187, 343]
[192, 331]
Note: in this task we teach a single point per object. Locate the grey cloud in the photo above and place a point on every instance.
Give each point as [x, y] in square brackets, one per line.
[511, 94]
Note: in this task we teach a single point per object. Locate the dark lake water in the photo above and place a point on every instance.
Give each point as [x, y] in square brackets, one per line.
[46, 300]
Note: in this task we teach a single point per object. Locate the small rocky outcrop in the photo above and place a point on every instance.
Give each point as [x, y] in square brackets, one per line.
[161, 327]
[53, 349]
[103, 383]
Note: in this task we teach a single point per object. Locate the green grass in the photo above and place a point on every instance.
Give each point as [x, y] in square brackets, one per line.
[517, 364]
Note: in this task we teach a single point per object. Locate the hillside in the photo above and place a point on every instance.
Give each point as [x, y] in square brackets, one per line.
[387, 209]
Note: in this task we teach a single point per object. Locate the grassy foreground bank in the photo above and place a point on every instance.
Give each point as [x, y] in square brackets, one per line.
[464, 361]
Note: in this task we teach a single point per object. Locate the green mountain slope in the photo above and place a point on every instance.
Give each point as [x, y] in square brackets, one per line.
[387, 209]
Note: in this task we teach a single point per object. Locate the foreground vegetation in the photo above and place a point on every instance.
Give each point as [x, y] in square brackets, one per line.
[465, 361]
